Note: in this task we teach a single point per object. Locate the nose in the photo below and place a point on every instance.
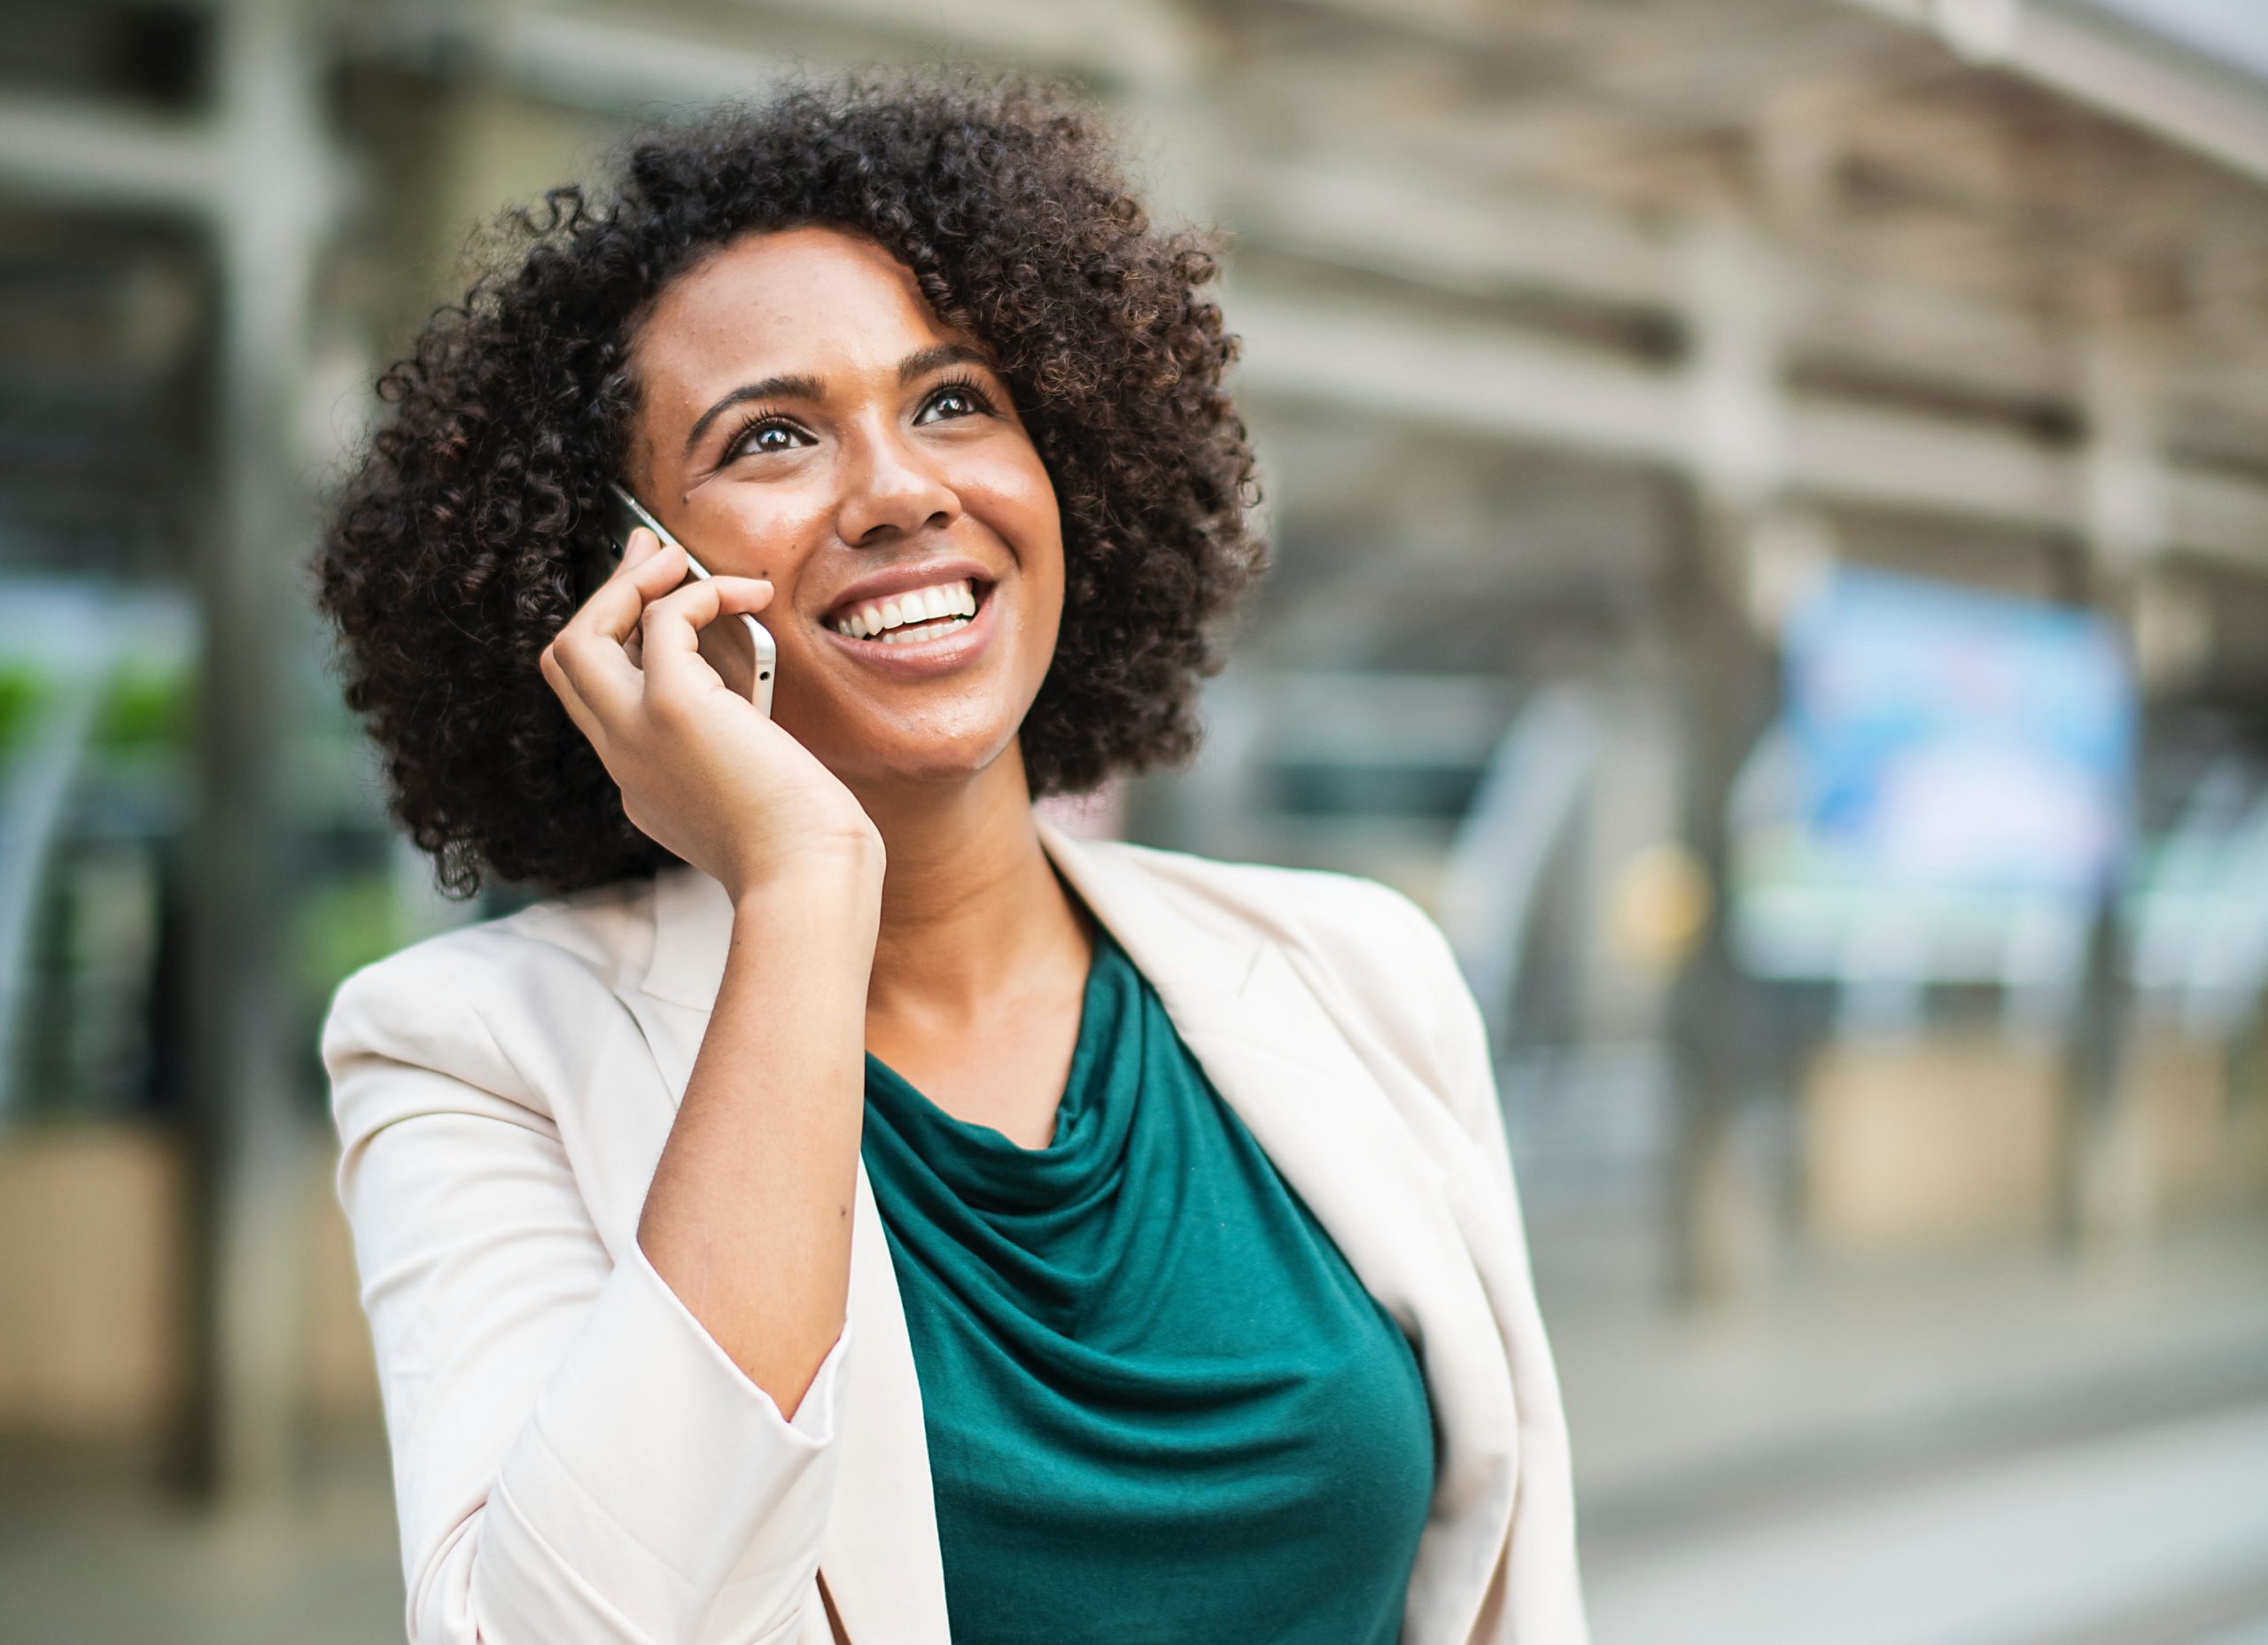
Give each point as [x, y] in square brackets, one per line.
[892, 487]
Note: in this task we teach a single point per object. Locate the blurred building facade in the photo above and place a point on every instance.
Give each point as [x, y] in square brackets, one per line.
[1593, 353]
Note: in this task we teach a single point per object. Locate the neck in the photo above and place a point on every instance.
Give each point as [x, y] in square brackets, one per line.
[970, 903]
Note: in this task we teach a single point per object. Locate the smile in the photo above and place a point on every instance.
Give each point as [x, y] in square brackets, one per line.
[900, 639]
[909, 618]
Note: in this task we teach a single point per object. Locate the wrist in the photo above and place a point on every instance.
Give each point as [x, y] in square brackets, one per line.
[831, 872]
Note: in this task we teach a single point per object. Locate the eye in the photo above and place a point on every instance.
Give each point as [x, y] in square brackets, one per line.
[766, 434]
[958, 400]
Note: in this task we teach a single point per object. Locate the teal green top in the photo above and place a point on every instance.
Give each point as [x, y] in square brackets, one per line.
[1160, 1406]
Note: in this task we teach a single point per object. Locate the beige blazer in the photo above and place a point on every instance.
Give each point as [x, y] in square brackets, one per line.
[577, 1462]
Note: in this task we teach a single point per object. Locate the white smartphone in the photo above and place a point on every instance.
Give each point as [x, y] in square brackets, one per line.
[747, 668]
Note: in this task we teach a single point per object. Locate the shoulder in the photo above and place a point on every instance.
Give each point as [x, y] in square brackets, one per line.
[458, 1001]
[1320, 906]
[1368, 944]
[1376, 961]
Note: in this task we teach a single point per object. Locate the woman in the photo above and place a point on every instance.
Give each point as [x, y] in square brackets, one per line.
[849, 1200]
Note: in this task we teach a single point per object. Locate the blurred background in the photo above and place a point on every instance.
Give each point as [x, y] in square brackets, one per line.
[1771, 501]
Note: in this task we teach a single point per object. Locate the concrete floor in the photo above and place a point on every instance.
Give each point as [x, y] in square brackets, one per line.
[1833, 1372]
[2156, 1535]
[2145, 1536]
[103, 1563]
[2005, 1450]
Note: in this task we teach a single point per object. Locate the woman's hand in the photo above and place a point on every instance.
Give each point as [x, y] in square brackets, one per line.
[702, 772]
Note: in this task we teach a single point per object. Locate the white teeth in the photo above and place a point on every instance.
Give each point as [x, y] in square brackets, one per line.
[926, 632]
[882, 619]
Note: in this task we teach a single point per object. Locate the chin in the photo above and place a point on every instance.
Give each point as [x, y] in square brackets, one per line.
[926, 761]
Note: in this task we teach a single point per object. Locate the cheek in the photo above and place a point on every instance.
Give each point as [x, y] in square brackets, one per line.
[1010, 488]
[768, 532]
[1045, 519]
[1007, 489]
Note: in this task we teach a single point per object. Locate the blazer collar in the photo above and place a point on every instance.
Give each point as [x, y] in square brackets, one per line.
[1321, 1107]
[692, 933]
[693, 924]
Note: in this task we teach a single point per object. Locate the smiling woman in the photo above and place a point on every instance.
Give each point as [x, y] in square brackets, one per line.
[452, 558]
[848, 1207]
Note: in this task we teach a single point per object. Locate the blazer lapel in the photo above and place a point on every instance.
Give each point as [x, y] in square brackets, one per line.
[880, 1549]
[1280, 1060]
[883, 1568]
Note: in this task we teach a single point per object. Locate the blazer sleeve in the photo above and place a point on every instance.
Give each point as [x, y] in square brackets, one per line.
[576, 1460]
[1538, 1598]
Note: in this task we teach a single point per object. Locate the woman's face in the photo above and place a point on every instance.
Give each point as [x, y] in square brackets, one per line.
[806, 418]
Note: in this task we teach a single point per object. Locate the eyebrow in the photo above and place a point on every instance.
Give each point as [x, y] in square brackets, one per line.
[792, 387]
[796, 386]
[936, 358]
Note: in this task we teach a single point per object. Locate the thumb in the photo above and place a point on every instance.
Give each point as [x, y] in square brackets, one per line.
[741, 594]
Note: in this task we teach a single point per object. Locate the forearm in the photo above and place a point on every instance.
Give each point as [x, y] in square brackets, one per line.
[748, 1219]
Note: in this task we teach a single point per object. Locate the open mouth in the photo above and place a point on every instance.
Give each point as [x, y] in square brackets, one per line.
[917, 615]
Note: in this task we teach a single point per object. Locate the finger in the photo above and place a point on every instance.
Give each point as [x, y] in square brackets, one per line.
[601, 648]
[612, 611]
[555, 675]
[672, 624]
[735, 595]
[642, 544]
[638, 546]
[599, 672]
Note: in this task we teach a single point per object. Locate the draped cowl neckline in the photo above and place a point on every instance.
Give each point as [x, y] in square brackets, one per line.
[1159, 1405]
[1003, 1201]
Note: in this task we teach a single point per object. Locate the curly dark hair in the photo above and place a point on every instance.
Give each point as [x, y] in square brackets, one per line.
[451, 556]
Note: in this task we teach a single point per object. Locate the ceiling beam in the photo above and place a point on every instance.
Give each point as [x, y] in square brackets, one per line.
[1497, 381]
[1501, 383]
[1382, 225]
[1524, 242]
[2136, 76]
[96, 156]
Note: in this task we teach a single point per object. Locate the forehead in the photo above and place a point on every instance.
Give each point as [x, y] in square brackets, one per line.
[813, 301]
